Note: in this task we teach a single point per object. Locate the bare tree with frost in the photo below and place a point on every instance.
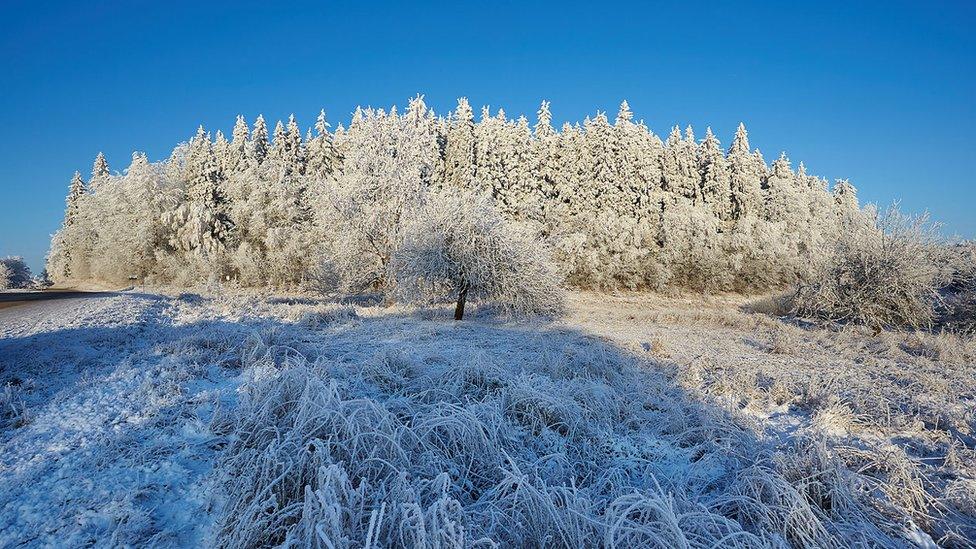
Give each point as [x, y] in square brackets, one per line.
[459, 245]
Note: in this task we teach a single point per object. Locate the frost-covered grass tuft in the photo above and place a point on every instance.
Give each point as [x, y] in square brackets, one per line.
[560, 442]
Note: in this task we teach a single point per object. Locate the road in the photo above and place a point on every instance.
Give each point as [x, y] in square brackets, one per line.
[10, 299]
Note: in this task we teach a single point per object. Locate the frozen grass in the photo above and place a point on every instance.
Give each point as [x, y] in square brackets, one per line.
[635, 421]
[890, 415]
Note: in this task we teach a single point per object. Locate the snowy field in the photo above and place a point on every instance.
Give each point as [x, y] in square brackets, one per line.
[185, 420]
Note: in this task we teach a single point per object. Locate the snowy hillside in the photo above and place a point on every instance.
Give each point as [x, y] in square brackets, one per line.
[157, 420]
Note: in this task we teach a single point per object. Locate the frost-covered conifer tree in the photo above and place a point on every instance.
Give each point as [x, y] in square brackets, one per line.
[716, 189]
[602, 192]
[489, 140]
[845, 195]
[100, 172]
[638, 164]
[544, 156]
[221, 149]
[781, 196]
[745, 176]
[259, 144]
[201, 225]
[279, 146]
[296, 154]
[526, 196]
[680, 167]
[100, 166]
[460, 164]
[237, 153]
[75, 191]
[323, 159]
[65, 241]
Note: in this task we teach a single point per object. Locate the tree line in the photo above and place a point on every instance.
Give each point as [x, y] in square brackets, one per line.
[611, 203]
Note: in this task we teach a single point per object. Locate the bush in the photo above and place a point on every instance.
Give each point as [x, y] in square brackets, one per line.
[458, 245]
[959, 309]
[886, 271]
[14, 273]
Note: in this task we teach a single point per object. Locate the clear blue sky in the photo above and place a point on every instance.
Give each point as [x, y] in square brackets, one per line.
[883, 93]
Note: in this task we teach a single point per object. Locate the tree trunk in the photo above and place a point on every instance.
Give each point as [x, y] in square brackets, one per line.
[462, 297]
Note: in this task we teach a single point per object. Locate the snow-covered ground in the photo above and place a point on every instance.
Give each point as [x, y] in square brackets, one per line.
[185, 420]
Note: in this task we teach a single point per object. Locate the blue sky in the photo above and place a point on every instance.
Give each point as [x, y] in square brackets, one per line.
[878, 92]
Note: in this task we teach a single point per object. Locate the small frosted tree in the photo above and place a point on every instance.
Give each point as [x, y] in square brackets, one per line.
[100, 166]
[4, 276]
[883, 271]
[14, 273]
[459, 245]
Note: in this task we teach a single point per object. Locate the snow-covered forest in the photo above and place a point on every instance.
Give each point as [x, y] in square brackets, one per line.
[611, 203]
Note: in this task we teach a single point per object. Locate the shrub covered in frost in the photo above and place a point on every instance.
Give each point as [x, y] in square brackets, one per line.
[14, 273]
[885, 271]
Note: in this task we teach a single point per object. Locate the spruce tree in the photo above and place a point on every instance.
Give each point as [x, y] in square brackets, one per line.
[238, 151]
[297, 156]
[624, 114]
[543, 126]
[544, 156]
[75, 191]
[279, 146]
[779, 192]
[680, 170]
[222, 153]
[716, 190]
[845, 195]
[322, 155]
[100, 172]
[460, 164]
[745, 176]
[259, 145]
[206, 226]
[489, 136]
[100, 167]
[601, 147]
[61, 248]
